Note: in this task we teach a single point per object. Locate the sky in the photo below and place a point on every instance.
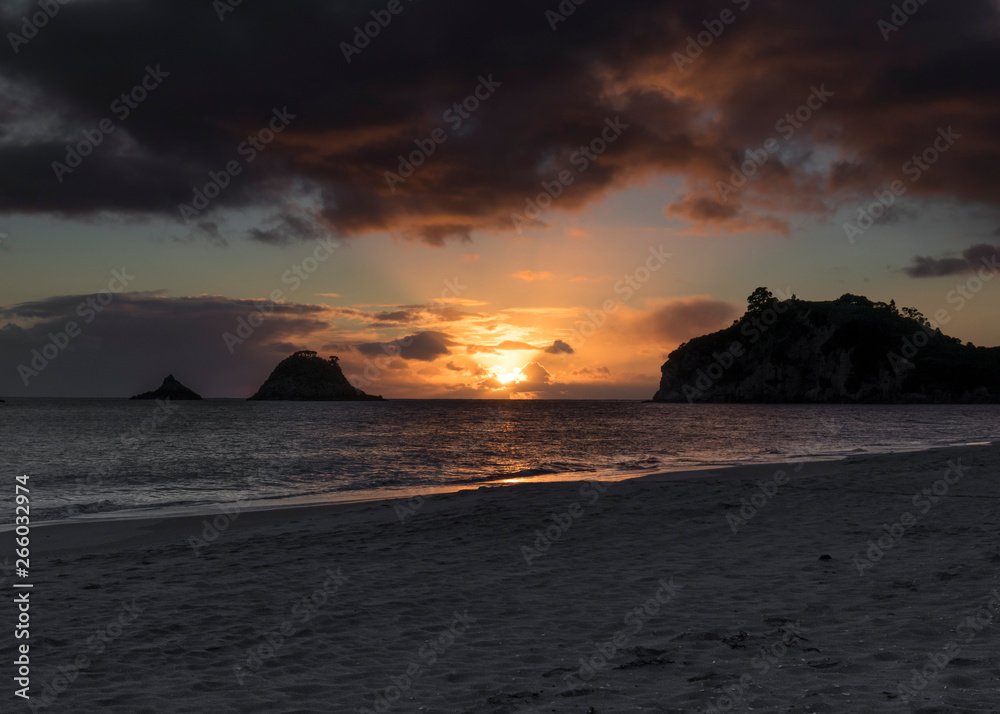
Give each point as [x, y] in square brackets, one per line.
[477, 200]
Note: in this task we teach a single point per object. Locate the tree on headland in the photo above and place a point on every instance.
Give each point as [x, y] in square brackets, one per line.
[334, 359]
[759, 300]
[859, 300]
[890, 306]
[915, 314]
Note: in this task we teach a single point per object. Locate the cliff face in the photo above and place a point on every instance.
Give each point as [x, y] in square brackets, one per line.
[170, 389]
[843, 351]
[306, 377]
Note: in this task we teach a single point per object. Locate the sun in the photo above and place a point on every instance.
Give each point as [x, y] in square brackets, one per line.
[507, 376]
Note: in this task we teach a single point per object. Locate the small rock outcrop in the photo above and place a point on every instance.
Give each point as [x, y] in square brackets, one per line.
[850, 350]
[307, 377]
[170, 389]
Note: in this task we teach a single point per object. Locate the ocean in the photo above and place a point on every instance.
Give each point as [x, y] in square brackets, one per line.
[92, 458]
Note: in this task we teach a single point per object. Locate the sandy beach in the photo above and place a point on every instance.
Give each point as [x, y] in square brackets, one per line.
[869, 584]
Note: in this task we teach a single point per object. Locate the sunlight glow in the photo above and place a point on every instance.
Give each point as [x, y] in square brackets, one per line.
[507, 376]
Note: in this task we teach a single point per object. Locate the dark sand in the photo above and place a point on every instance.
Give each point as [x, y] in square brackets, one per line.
[343, 608]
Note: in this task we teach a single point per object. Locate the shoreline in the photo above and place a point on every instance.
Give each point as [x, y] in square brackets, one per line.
[269, 511]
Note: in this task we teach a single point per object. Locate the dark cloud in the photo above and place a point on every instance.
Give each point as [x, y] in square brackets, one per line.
[704, 209]
[496, 349]
[588, 372]
[972, 259]
[288, 227]
[397, 316]
[207, 231]
[130, 344]
[352, 121]
[453, 314]
[403, 315]
[424, 346]
[682, 319]
[711, 213]
[559, 348]
[927, 267]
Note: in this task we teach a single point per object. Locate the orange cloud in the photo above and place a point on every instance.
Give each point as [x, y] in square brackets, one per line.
[531, 275]
[677, 320]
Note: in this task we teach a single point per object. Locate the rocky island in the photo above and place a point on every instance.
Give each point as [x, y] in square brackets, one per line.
[307, 377]
[170, 389]
[849, 350]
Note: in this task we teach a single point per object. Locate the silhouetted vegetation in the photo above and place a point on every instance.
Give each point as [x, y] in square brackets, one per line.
[305, 376]
[845, 350]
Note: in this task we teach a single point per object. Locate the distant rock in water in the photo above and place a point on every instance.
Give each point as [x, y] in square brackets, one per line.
[850, 350]
[171, 389]
[306, 377]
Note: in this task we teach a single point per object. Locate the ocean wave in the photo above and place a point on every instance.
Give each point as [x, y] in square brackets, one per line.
[647, 462]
